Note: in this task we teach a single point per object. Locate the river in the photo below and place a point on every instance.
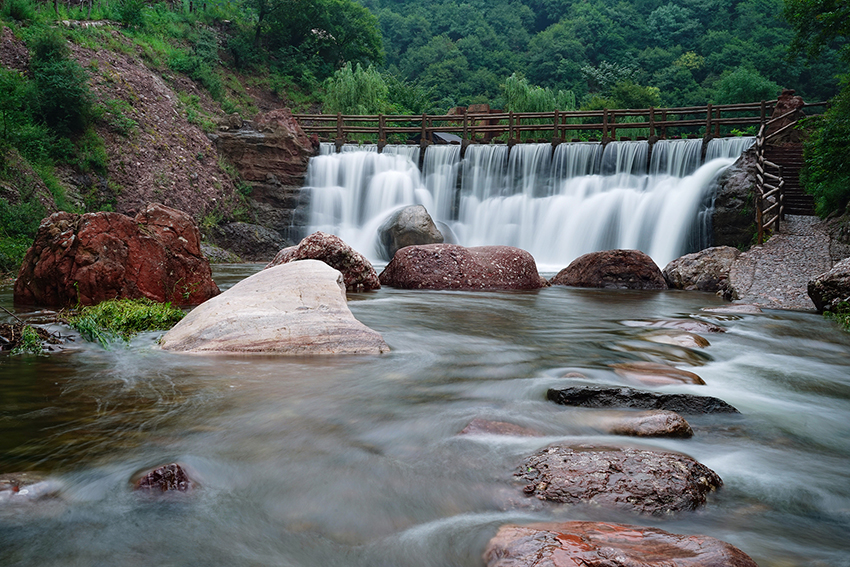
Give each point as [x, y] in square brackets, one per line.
[358, 461]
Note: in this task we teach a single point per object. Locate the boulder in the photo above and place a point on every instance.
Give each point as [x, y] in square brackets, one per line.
[357, 271]
[251, 242]
[653, 423]
[671, 337]
[571, 544]
[687, 325]
[166, 478]
[638, 480]
[831, 288]
[409, 226]
[612, 397]
[612, 269]
[89, 258]
[707, 270]
[732, 219]
[292, 309]
[450, 266]
[786, 103]
[655, 374]
[480, 426]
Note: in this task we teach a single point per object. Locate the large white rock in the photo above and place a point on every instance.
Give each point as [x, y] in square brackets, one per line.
[293, 309]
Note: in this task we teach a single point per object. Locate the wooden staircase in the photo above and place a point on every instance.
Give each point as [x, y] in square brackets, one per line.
[790, 157]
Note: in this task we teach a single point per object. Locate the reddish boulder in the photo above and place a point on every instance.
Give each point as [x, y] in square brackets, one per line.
[357, 272]
[650, 482]
[571, 544]
[612, 269]
[450, 266]
[89, 258]
[164, 479]
[654, 423]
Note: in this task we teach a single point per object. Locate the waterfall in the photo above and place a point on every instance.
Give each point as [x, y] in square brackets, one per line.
[557, 205]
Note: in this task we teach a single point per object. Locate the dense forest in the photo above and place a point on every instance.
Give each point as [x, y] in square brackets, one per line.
[394, 56]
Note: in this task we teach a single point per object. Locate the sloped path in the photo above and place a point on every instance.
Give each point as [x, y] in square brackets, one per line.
[776, 274]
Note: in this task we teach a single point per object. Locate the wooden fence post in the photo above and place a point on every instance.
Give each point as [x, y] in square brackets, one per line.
[651, 122]
[708, 121]
[340, 134]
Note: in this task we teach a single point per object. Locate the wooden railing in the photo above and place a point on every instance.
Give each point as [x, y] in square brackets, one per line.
[511, 127]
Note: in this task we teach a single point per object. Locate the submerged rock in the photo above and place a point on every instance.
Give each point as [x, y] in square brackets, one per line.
[409, 226]
[88, 258]
[707, 270]
[612, 269]
[649, 482]
[449, 266]
[166, 478]
[480, 426]
[831, 288]
[689, 325]
[602, 397]
[671, 337]
[654, 373]
[357, 271]
[292, 309]
[653, 423]
[25, 487]
[735, 309]
[597, 544]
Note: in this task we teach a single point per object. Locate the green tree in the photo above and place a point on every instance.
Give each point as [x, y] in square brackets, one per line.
[355, 90]
[744, 85]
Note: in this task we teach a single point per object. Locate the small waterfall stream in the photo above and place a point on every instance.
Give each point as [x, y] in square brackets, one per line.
[558, 205]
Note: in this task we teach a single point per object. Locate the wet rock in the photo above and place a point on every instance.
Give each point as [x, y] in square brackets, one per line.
[449, 266]
[480, 426]
[736, 308]
[602, 397]
[612, 269]
[707, 270]
[19, 488]
[357, 271]
[218, 255]
[297, 308]
[689, 325]
[648, 482]
[655, 374]
[684, 339]
[831, 288]
[732, 221]
[597, 544]
[164, 479]
[251, 242]
[96, 256]
[654, 423]
[409, 226]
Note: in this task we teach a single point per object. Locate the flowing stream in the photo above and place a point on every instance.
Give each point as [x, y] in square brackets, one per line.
[557, 204]
[358, 461]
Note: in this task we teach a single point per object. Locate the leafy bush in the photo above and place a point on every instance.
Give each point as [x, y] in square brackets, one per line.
[131, 13]
[12, 252]
[826, 174]
[123, 318]
[744, 85]
[21, 11]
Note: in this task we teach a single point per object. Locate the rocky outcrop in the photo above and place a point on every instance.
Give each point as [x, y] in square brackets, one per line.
[409, 226]
[251, 242]
[707, 270]
[89, 258]
[293, 309]
[787, 103]
[612, 269]
[733, 219]
[653, 423]
[272, 155]
[832, 288]
[649, 482]
[610, 397]
[357, 271]
[449, 266]
[571, 544]
[167, 478]
[655, 374]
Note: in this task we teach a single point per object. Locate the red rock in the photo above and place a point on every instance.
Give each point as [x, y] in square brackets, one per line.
[450, 266]
[612, 269]
[786, 102]
[650, 482]
[165, 478]
[655, 374]
[480, 426]
[357, 271]
[574, 544]
[89, 258]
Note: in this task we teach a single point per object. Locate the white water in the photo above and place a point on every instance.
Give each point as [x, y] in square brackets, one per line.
[557, 205]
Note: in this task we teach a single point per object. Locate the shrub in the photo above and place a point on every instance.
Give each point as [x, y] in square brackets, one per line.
[12, 252]
[826, 173]
[131, 13]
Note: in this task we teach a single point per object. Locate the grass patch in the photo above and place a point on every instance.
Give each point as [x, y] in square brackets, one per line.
[123, 319]
[841, 315]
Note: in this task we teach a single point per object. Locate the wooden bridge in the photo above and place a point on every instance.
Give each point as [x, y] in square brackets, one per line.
[778, 190]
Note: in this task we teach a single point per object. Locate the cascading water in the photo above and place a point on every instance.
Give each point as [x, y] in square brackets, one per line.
[557, 205]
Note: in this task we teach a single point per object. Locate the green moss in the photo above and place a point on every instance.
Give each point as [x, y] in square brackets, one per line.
[123, 318]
